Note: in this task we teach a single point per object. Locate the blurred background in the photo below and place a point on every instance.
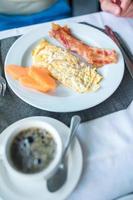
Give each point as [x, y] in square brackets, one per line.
[15, 14]
[80, 7]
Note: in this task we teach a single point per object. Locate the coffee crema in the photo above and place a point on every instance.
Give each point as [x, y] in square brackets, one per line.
[32, 150]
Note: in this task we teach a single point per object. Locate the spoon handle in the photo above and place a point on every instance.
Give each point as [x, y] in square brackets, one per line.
[75, 121]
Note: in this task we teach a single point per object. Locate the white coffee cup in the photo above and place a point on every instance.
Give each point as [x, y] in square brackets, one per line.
[6, 145]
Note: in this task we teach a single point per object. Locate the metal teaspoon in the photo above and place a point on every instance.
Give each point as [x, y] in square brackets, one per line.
[59, 178]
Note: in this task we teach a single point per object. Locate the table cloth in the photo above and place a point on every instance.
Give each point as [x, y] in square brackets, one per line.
[108, 141]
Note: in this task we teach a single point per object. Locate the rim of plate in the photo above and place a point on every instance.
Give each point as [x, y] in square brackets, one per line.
[65, 104]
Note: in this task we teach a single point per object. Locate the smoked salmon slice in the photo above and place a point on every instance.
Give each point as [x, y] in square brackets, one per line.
[16, 71]
[32, 77]
[42, 77]
[29, 82]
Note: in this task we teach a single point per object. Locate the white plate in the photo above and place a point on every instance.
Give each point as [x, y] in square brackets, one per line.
[17, 190]
[63, 99]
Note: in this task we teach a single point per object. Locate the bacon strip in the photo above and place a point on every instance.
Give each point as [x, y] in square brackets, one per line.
[93, 55]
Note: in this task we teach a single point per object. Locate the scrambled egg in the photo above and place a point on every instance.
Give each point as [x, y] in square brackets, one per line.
[66, 67]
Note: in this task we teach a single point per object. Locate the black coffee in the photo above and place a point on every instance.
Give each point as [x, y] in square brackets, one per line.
[32, 150]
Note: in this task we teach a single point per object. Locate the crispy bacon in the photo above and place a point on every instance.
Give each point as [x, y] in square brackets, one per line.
[93, 55]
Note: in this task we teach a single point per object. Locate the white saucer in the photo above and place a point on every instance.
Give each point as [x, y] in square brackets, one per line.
[16, 190]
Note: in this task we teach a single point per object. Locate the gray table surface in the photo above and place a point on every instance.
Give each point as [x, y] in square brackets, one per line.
[81, 7]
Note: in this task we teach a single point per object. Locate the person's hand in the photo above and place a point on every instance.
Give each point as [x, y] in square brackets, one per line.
[122, 8]
[127, 8]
